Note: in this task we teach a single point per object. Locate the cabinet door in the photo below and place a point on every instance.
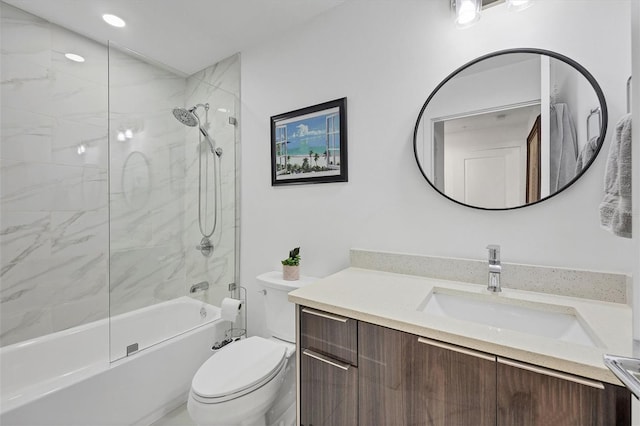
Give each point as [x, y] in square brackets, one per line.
[383, 371]
[407, 380]
[328, 391]
[529, 395]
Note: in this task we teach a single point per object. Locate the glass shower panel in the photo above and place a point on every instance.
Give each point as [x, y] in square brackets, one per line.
[154, 186]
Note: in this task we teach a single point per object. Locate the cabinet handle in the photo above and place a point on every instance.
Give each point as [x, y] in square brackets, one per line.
[455, 348]
[326, 360]
[323, 315]
[551, 373]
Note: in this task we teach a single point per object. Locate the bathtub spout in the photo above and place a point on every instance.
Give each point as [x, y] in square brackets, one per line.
[201, 286]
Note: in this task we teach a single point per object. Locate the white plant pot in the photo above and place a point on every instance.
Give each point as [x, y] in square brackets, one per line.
[290, 273]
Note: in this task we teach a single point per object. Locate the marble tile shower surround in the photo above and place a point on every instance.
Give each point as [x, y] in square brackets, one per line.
[153, 235]
[54, 221]
[147, 183]
[601, 286]
[53, 202]
[219, 85]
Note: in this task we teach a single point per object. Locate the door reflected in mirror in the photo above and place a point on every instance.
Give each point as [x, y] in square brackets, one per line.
[510, 129]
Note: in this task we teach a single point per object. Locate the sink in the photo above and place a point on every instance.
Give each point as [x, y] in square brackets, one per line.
[498, 312]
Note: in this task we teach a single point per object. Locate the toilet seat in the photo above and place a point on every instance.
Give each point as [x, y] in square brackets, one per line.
[238, 369]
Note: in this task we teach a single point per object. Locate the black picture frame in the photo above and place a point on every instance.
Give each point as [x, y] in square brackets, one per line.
[309, 145]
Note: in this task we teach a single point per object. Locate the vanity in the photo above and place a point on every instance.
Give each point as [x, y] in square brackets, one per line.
[385, 348]
[403, 340]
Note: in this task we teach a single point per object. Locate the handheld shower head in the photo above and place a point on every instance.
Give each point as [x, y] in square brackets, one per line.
[188, 117]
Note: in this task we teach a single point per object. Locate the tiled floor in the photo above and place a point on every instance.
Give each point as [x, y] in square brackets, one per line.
[178, 417]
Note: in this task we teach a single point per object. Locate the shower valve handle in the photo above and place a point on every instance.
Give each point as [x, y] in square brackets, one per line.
[205, 247]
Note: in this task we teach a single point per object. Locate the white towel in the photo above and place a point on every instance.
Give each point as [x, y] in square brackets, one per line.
[563, 145]
[587, 153]
[615, 209]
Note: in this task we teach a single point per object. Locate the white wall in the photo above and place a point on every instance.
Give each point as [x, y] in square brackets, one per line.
[386, 57]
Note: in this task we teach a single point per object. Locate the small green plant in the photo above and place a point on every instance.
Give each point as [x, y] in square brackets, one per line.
[293, 259]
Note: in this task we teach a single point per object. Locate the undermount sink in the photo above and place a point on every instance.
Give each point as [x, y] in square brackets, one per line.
[540, 319]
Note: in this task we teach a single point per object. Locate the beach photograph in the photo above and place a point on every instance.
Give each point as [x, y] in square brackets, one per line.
[307, 145]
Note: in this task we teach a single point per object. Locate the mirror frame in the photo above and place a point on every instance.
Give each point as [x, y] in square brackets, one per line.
[558, 56]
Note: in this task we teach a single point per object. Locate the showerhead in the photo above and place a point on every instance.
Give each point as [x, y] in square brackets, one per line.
[186, 116]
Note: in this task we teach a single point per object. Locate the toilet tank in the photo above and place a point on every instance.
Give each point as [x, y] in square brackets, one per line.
[281, 314]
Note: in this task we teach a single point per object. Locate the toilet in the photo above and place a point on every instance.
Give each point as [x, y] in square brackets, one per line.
[252, 381]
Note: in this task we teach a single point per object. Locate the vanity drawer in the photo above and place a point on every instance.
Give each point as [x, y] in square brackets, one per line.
[329, 334]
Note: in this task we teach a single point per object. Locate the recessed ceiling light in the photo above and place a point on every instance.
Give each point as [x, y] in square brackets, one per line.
[73, 57]
[114, 20]
[223, 110]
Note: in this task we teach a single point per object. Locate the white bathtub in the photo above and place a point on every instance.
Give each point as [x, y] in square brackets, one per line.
[66, 378]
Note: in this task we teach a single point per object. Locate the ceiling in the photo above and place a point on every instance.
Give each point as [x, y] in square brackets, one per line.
[187, 35]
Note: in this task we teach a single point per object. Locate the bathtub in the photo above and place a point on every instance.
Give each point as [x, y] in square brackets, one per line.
[66, 378]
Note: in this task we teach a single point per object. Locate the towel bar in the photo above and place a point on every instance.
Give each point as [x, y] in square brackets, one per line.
[595, 111]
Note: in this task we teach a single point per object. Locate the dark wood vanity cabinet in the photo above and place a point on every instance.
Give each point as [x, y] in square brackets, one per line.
[328, 369]
[530, 395]
[408, 380]
[395, 378]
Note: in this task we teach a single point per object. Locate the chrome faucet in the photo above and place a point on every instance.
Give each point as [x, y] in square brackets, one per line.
[494, 268]
[201, 286]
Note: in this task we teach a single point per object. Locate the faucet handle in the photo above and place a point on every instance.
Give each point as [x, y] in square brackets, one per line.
[494, 252]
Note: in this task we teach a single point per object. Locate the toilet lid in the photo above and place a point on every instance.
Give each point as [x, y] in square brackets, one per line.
[239, 366]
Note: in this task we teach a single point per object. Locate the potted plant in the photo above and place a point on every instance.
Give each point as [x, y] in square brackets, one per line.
[291, 265]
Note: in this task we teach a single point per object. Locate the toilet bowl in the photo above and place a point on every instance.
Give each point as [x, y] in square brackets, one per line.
[239, 384]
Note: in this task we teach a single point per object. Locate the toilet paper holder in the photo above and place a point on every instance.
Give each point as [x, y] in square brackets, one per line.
[235, 333]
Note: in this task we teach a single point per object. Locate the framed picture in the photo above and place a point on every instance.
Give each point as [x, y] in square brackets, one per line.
[309, 145]
[533, 163]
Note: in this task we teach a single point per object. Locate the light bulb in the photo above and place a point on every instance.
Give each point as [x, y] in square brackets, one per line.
[467, 12]
[82, 148]
[517, 5]
[128, 133]
[121, 137]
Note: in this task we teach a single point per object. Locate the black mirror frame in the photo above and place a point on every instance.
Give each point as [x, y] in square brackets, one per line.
[565, 59]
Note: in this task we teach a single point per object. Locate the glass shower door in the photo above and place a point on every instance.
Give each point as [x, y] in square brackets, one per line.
[165, 185]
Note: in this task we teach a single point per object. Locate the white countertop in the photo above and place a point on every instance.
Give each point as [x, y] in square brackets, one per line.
[392, 300]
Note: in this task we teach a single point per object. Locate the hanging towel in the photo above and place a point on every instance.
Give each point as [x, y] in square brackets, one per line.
[587, 153]
[563, 147]
[615, 209]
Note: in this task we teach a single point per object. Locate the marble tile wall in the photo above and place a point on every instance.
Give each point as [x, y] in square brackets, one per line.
[65, 259]
[53, 200]
[147, 183]
[218, 85]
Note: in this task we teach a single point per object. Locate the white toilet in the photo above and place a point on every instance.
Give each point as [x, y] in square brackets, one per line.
[240, 384]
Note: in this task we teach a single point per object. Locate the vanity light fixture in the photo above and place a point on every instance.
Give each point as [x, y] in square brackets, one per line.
[113, 20]
[74, 57]
[467, 12]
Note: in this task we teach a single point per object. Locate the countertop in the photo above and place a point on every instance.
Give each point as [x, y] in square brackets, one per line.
[392, 300]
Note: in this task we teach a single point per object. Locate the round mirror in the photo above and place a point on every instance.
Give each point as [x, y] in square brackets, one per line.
[510, 129]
